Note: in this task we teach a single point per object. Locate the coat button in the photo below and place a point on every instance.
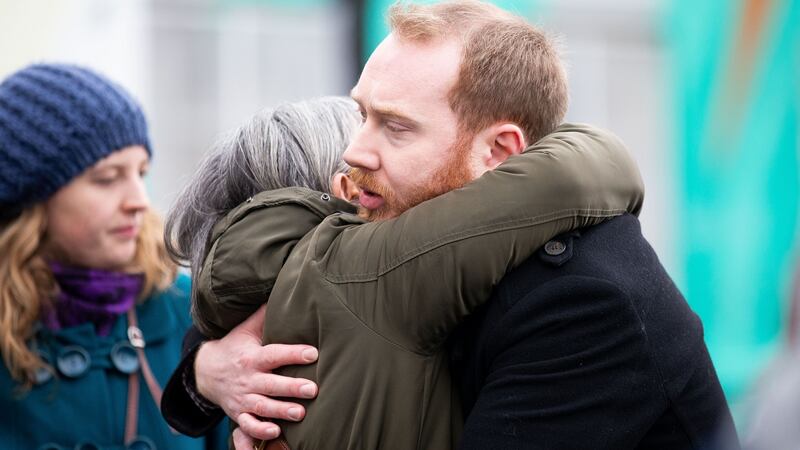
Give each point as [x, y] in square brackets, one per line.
[42, 375]
[249, 199]
[141, 443]
[73, 361]
[124, 357]
[50, 446]
[325, 197]
[554, 248]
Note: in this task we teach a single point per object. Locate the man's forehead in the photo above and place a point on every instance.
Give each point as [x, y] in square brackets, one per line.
[400, 72]
[435, 59]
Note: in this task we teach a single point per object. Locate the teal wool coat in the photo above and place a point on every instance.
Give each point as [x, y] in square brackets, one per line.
[88, 411]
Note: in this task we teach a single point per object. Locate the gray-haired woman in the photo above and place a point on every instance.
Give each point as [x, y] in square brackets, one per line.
[296, 144]
[378, 299]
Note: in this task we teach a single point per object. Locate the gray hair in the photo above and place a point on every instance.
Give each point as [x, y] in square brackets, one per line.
[296, 144]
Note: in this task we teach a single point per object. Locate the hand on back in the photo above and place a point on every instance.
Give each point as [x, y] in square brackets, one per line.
[235, 373]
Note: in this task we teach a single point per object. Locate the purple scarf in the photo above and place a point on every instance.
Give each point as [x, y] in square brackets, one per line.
[90, 295]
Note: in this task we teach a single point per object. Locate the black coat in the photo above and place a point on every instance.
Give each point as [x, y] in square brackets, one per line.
[589, 345]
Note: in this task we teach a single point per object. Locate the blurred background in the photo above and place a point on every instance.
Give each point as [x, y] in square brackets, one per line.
[704, 92]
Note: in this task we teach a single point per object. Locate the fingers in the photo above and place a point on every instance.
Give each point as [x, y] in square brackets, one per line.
[259, 405]
[242, 441]
[273, 356]
[253, 428]
[253, 325]
[279, 386]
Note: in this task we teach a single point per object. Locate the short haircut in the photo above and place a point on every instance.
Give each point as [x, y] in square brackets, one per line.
[510, 70]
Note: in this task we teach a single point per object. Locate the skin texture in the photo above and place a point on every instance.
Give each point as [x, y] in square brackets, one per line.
[409, 130]
[95, 219]
[410, 147]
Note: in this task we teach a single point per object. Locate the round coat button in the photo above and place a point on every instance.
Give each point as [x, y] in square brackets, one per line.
[50, 446]
[43, 374]
[73, 361]
[124, 357]
[554, 248]
[325, 197]
[86, 446]
[141, 443]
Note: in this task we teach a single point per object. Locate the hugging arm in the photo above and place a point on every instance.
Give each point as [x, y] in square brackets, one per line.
[457, 246]
[235, 372]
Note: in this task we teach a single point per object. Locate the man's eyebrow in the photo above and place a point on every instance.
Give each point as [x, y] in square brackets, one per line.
[390, 112]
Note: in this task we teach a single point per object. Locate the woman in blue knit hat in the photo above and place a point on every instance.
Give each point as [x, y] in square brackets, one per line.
[91, 310]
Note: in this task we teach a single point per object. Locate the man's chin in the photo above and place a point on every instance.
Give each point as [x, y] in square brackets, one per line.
[373, 215]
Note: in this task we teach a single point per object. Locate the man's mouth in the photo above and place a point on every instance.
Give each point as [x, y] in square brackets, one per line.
[370, 200]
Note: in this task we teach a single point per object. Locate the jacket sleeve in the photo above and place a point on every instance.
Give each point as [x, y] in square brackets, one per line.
[180, 404]
[439, 260]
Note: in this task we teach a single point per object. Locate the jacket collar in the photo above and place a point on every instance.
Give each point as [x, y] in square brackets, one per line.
[318, 203]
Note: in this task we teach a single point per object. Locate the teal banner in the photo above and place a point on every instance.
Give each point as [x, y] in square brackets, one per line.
[376, 28]
[736, 69]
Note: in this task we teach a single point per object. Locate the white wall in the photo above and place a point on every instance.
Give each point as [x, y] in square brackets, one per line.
[617, 63]
[199, 68]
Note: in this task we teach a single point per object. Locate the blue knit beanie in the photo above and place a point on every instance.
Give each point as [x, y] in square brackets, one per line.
[57, 120]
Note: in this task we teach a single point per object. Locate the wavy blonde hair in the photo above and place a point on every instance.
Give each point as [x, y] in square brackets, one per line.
[27, 284]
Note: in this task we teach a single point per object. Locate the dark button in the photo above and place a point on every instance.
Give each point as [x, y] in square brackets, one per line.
[73, 361]
[141, 443]
[124, 357]
[50, 446]
[43, 374]
[554, 248]
[325, 197]
[86, 446]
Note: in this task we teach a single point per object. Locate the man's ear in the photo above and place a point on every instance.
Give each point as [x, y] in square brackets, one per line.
[504, 140]
[343, 187]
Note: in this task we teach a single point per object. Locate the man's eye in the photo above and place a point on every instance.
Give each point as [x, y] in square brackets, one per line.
[395, 127]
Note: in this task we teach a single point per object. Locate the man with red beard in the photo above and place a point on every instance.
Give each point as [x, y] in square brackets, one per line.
[588, 344]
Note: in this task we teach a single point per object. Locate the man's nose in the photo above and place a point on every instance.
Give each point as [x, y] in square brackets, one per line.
[362, 152]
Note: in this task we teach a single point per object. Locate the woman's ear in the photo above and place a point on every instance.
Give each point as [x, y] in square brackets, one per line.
[344, 188]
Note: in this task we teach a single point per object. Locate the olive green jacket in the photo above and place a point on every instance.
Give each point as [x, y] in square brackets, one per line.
[379, 299]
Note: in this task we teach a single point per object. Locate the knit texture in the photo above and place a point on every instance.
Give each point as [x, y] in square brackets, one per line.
[56, 120]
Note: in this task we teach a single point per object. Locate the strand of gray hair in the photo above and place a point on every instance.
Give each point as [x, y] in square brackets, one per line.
[296, 144]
